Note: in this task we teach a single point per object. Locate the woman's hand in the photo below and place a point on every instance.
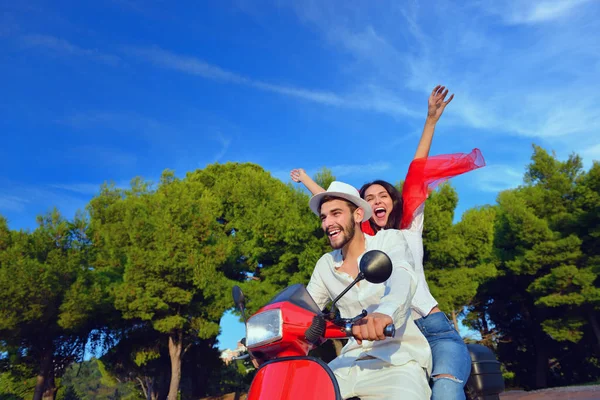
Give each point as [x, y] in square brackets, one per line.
[298, 175]
[436, 103]
[435, 107]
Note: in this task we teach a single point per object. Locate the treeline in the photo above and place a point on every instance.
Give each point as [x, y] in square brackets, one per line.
[145, 275]
[525, 272]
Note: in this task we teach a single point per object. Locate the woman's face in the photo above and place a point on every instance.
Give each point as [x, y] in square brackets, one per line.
[381, 203]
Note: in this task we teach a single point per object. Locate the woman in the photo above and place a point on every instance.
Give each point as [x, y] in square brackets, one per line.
[451, 360]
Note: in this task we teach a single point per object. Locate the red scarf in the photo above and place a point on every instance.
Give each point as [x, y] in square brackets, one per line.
[424, 175]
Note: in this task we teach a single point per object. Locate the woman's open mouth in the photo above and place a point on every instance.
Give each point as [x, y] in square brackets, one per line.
[380, 212]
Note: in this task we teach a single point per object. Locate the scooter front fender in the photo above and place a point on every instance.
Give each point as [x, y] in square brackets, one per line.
[294, 378]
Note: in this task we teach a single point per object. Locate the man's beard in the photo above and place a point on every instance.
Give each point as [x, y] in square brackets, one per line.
[348, 231]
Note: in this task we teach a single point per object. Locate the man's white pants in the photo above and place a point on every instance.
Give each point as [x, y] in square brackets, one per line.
[375, 379]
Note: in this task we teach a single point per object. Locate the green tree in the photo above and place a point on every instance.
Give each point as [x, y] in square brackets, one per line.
[274, 234]
[324, 177]
[586, 225]
[140, 358]
[463, 261]
[170, 233]
[180, 246]
[439, 214]
[51, 298]
[207, 375]
[13, 386]
[539, 304]
[87, 381]
[458, 257]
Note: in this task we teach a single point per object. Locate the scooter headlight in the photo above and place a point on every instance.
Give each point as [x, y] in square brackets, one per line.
[264, 328]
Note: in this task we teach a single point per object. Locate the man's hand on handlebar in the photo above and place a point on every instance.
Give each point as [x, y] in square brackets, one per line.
[371, 327]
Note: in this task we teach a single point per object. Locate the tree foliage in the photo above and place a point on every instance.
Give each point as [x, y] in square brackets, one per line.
[180, 245]
[147, 276]
[547, 286]
[458, 257]
[52, 298]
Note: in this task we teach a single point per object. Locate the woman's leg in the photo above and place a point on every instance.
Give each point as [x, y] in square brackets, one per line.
[451, 360]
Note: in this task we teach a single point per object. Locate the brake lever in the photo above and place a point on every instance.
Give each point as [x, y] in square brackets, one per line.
[358, 317]
[346, 323]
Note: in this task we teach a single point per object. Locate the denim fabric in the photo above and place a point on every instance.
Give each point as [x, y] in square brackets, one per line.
[450, 356]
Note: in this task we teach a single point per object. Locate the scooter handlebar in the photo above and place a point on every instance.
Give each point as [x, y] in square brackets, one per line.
[335, 331]
[390, 330]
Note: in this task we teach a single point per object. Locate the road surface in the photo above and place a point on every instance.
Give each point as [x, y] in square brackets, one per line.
[562, 393]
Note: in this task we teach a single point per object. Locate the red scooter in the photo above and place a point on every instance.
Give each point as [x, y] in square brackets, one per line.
[280, 335]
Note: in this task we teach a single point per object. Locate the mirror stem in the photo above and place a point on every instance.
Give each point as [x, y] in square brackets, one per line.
[359, 278]
[243, 310]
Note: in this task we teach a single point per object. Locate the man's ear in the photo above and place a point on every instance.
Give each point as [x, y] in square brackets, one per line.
[359, 214]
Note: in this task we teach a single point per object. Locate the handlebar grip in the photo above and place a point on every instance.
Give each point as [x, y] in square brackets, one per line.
[390, 330]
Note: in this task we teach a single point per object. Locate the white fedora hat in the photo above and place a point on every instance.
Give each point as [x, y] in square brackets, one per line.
[344, 191]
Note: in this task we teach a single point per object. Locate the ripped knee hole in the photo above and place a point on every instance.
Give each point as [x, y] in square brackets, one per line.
[446, 376]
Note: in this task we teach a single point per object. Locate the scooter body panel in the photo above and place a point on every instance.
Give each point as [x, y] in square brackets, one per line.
[294, 378]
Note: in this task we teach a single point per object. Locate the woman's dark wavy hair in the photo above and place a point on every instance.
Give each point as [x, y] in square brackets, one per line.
[395, 216]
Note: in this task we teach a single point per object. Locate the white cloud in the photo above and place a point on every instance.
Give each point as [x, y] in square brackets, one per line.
[368, 98]
[80, 188]
[12, 203]
[20, 203]
[316, 96]
[591, 154]
[88, 189]
[498, 177]
[530, 82]
[185, 64]
[195, 66]
[64, 47]
[225, 143]
[532, 12]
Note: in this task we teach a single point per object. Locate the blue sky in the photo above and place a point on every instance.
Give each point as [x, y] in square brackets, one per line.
[108, 90]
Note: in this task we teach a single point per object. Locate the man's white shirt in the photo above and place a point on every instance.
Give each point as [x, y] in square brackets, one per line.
[393, 298]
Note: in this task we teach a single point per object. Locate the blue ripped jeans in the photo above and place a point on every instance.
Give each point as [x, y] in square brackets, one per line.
[450, 356]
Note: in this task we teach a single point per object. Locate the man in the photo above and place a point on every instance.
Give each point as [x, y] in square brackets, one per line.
[370, 366]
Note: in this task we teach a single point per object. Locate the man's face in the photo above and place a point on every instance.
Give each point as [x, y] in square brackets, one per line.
[337, 221]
